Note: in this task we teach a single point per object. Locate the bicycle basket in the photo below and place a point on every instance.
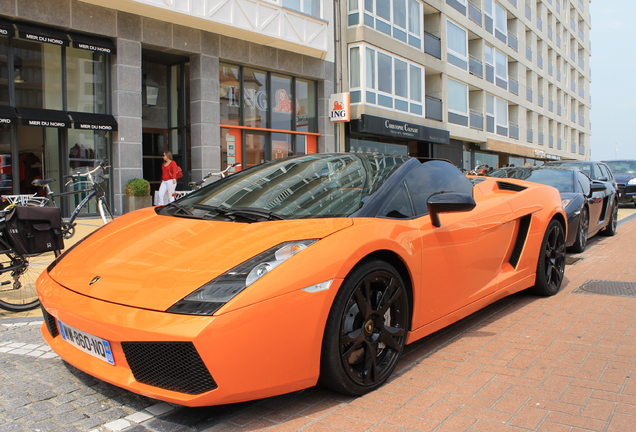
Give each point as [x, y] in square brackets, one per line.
[33, 230]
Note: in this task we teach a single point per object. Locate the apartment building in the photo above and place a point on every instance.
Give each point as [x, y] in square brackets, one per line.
[492, 82]
[214, 82]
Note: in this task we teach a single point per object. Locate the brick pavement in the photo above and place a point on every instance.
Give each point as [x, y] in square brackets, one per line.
[526, 363]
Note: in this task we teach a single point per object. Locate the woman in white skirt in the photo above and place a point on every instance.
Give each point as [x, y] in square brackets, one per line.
[168, 180]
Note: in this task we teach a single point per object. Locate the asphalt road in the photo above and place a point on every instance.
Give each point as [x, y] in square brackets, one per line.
[40, 392]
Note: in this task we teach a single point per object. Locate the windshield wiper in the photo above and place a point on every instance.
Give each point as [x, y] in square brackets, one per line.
[240, 214]
[179, 209]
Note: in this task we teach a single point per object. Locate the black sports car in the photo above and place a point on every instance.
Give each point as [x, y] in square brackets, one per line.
[591, 206]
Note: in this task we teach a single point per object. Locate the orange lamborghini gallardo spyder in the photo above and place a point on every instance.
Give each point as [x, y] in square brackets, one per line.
[315, 269]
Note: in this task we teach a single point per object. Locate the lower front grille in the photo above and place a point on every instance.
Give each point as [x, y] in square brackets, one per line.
[51, 324]
[174, 366]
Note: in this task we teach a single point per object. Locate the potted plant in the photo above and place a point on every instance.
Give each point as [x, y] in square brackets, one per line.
[137, 193]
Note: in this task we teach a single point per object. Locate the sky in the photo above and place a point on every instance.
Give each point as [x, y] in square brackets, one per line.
[613, 88]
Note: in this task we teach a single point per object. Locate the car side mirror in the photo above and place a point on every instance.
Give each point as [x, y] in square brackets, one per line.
[602, 179]
[448, 202]
[598, 187]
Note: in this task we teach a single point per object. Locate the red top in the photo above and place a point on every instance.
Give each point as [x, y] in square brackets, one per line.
[169, 172]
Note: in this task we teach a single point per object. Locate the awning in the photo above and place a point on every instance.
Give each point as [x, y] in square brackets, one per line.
[41, 34]
[95, 122]
[6, 28]
[92, 43]
[7, 115]
[44, 118]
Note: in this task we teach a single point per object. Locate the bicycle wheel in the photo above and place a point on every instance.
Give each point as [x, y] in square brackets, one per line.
[104, 211]
[17, 280]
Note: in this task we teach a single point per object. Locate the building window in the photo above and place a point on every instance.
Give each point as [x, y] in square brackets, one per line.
[388, 81]
[37, 74]
[310, 7]
[86, 85]
[400, 19]
[275, 114]
[457, 102]
[457, 45]
[4, 70]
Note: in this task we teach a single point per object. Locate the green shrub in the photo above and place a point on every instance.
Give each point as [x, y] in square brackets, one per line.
[137, 187]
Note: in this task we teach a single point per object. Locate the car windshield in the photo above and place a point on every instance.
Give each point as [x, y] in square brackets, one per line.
[622, 167]
[583, 167]
[561, 179]
[305, 186]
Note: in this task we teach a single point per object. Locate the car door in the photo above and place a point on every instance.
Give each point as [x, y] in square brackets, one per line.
[594, 200]
[462, 258]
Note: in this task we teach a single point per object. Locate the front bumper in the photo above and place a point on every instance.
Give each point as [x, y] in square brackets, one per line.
[263, 350]
[626, 193]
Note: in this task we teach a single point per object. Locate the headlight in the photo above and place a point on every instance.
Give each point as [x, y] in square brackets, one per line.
[565, 202]
[632, 181]
[211, 296]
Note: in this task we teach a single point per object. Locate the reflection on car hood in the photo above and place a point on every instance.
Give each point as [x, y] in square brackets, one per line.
[149, 261]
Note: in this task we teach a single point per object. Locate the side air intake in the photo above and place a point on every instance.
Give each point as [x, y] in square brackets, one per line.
[522, 235]
[510, 186]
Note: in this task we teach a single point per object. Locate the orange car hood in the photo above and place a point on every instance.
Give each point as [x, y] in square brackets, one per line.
[150, 261]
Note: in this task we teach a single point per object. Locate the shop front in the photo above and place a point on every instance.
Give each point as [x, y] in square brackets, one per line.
[54, 107]
[371, 134]
[265, 115]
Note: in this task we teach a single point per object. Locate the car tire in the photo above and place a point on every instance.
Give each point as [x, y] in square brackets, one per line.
[551, 265]
[581, 232]
[610, 229]
[366, 329]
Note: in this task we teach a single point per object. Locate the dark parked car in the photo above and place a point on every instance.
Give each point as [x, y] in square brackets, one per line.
[595, 170]
[625, 174]
[591, 205]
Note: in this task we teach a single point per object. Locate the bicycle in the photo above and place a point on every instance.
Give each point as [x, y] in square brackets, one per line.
[22, 263]
[92, 177]
[198, 185]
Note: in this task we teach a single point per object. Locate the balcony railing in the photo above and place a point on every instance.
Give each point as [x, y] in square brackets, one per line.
[572, 86]
[528, 52]
[530, 135]
[581, 149]
[572, 55]
[529, 94]
[581, 63]
[513, 86]
[457, 5]
[490, 124]
[539, 23]
[573, 117]
[474, 12]
[550, 33]
[528, 11]
[513, 42]
[558, 41]
[514, 130]
[540, 139]
[550, 105]
[540, 101]
[559, 144]
[550, 69]
[476, 120]
[581, 34]
[551, 141]
[582, 120]
[490, 73]
[540, 61]
[581, 92]
[432, 45]
[434, 108]
[476, 67]
[558, 75]
[559, 109]
[572, 24]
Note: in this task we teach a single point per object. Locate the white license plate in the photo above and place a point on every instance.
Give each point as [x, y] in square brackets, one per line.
[97, 347]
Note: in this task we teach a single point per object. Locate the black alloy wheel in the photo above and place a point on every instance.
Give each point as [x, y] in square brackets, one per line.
[610, 229]
[366, 329]
[582, 233]
[551, 266]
